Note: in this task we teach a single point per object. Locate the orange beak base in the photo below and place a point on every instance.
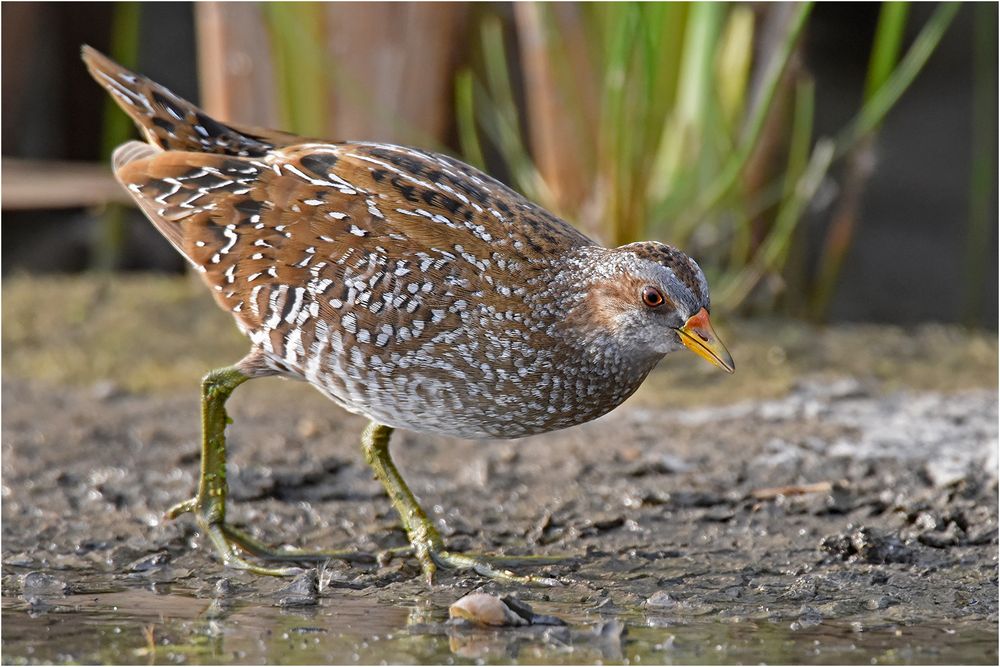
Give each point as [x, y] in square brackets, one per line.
[698, 336]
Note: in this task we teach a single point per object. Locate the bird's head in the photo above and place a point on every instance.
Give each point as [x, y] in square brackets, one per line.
[654, 300]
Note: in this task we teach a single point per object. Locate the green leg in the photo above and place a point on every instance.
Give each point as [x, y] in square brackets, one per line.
[209, 506]
[424, 537]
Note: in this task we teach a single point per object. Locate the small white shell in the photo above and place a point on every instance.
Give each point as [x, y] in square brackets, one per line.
[485, 610]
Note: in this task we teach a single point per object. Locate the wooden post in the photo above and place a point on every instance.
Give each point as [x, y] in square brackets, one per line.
[389, 68]
[559, 127]
[234, 63]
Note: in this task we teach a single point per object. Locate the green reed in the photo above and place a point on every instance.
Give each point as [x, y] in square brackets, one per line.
[676, 117]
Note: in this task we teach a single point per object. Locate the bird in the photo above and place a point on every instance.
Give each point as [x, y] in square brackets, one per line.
[403, 284]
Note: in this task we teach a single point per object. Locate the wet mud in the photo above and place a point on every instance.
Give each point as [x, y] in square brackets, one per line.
[834, 502]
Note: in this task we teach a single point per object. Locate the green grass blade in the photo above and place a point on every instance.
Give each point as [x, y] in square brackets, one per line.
[116, 129]
[721, 186]
[732, 67]
[859, 135]
[297, 43]
[465, 119]
[982, 206]
[504, 128]
[888, 43]
[775, 247]
[888, 94]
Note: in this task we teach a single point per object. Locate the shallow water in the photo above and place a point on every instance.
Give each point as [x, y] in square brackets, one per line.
[156, 627]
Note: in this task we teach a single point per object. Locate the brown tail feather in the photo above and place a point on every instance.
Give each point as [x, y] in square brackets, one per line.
[172, 123]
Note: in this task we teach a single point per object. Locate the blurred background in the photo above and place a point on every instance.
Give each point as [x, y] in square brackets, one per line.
[830, 162]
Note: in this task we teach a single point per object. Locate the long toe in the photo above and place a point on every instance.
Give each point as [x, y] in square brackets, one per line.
[254, 546]
[486, 567]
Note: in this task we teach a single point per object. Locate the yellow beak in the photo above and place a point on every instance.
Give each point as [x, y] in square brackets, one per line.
[698, 336]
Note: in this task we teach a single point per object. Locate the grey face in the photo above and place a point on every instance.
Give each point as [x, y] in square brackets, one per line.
[665, 296]
[687, 296]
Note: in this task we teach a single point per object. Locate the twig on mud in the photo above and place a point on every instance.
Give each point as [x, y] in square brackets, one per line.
[791, 490]
[537, 532]
[148, 632]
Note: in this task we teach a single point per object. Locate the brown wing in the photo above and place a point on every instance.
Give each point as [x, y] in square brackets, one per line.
[365, 238]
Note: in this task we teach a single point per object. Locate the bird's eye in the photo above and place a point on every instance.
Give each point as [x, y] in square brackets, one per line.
[652, 297]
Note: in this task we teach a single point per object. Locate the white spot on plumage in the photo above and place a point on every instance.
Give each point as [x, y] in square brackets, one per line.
[230, 233]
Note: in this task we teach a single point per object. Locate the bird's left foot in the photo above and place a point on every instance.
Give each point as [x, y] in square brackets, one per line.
[426, 542]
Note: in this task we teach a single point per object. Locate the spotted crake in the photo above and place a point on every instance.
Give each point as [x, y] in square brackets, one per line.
[405, 285]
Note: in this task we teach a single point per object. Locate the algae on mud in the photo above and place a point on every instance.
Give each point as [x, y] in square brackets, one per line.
[894, 560]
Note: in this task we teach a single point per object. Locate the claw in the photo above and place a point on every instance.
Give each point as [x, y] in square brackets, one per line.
[182, 507]
[382, 558]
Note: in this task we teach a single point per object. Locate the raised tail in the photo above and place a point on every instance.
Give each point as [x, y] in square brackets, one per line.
[172, 123]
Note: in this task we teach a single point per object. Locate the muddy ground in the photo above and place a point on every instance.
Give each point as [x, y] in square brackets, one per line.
[684, 547]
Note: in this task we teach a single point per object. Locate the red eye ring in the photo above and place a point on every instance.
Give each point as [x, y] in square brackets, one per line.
[652, 297]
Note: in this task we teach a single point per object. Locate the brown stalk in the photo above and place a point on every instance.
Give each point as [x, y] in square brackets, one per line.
[235, 69]
[766, 163]
[859, 165]
[393, 66]
[556, 141]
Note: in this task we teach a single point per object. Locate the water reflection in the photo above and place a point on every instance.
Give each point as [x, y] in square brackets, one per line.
[143, 626]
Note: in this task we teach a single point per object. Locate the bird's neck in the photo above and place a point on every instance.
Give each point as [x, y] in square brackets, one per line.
[614, 367]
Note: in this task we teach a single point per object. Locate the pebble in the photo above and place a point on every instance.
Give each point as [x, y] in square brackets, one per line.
[940, 539]
[807, 619]
[106, 390]
[35, 584]
[880, 602]
[869, 546]
[946, 471]
[611, 630]
[150, 562]
[303, 591]
[661, 600]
